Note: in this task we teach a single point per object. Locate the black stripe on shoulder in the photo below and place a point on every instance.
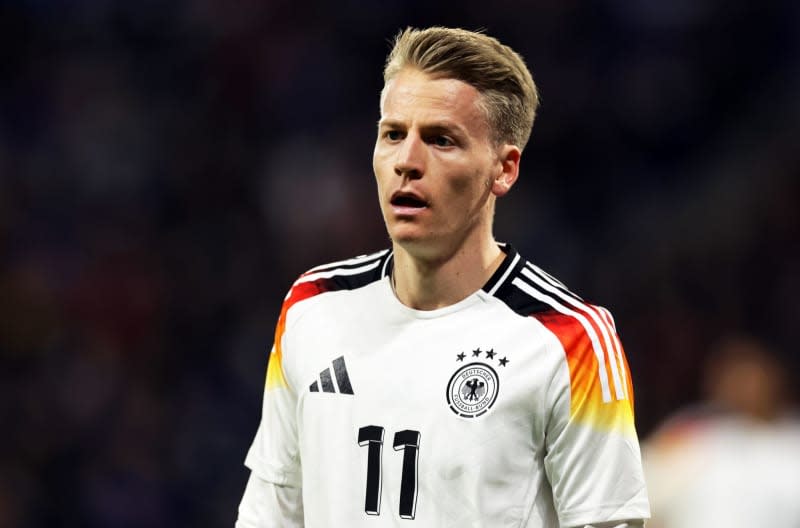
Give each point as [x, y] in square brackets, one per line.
[347, 274]
[505, 283]
[351, 263]
[519, 301]
[537, 277]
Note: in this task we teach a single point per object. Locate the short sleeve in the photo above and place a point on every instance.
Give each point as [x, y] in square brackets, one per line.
[592, 455]
[274, 454]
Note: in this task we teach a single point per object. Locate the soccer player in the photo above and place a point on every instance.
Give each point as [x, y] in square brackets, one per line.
[446, 381]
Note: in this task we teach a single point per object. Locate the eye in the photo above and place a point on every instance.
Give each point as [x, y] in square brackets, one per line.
[393, 135]
[442, 141]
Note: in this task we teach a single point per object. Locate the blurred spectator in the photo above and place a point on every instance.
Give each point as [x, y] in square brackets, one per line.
[734, 459]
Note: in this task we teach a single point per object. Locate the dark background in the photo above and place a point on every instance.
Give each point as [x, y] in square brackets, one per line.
[168, 168]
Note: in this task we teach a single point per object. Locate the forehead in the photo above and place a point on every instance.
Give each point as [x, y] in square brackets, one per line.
[415, 95]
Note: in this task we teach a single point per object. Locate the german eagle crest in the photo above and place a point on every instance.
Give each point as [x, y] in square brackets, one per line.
[472, 390]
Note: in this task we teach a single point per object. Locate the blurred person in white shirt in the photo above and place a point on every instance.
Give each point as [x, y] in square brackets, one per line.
[733, 460]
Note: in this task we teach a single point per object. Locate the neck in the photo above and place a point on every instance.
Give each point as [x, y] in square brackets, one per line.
[431, 283]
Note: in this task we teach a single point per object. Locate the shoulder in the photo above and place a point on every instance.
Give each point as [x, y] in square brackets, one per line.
[586, 331]
[343, 275]
[530, 291]
[350, 274]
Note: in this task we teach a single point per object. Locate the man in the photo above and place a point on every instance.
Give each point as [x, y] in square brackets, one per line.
[447, 382]
[733, 458]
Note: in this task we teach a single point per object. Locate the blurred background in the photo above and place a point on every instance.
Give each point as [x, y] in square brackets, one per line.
[168, 168]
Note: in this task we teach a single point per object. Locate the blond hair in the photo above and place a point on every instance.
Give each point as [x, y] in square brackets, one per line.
[499, 73]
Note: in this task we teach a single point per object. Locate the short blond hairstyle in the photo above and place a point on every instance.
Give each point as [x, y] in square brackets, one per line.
[499, 73]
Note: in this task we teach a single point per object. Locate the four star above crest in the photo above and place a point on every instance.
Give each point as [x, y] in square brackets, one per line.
[490, 354]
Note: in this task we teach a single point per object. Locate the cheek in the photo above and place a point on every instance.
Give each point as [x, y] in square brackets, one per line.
[378, 170]
[470, 185]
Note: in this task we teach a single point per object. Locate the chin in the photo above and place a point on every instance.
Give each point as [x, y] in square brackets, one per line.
[406, 236]
[403, 233]
[415, 243]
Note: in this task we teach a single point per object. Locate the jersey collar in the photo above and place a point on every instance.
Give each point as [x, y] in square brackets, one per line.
[498, 278]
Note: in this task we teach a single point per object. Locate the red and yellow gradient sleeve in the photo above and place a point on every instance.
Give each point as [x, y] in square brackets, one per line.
[590, 404]
[592, 453]
[276, 379]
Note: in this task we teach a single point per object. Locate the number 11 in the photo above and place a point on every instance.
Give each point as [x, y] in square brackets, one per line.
[407, 441]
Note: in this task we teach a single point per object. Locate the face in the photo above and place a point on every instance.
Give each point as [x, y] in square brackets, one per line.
[437, 168]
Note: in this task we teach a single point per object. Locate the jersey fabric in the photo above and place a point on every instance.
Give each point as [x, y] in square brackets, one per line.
[511, 408]
[707, 467]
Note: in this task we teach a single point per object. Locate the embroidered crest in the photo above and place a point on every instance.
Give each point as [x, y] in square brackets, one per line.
[472, 390]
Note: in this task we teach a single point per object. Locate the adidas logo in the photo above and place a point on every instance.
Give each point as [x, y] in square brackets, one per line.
[326, 381]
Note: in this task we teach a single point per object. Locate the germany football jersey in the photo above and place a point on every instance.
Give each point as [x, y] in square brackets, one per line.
[511, 408]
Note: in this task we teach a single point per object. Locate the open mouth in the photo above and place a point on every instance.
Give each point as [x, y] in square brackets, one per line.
[408, 200]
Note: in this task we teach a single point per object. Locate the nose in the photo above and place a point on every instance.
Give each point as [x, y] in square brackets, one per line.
[410, 161]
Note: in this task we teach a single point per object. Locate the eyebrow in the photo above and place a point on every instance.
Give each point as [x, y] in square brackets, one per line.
[389, 123]
[433, 127]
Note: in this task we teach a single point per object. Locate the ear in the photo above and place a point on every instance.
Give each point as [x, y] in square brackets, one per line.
[508, 158]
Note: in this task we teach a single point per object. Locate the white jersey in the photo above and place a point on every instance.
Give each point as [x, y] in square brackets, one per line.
[511, 408]
[710, 468]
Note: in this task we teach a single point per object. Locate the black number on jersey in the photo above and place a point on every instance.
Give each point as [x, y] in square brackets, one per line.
[372, 436]
[406, 441]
